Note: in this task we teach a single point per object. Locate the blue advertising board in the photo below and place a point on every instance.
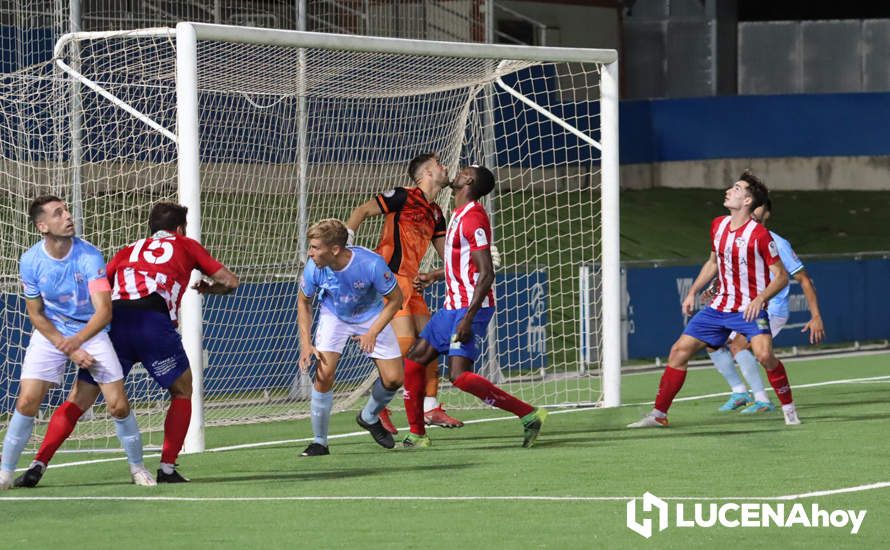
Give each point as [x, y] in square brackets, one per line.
[252, 340]
[852, 300]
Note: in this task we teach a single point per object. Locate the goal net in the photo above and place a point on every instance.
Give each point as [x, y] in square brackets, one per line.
[263, 132]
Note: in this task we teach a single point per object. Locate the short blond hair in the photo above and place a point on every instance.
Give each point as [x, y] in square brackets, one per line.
[330, 231]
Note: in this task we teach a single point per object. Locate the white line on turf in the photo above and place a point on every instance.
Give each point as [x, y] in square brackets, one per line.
[477, 421]
[800, 496]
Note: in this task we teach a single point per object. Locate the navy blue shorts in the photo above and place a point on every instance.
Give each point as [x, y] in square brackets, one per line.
[713, 327]
[147, 337]
[443, 325]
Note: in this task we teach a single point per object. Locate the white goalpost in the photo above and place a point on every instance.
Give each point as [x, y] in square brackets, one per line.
[261, 132]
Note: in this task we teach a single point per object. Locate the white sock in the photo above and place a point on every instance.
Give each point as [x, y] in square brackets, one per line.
[788, 407]
[751, 371]
[18, 432]
[430, 403]
[320, 409]
[658, 414]
[726, 367]
[131, 440]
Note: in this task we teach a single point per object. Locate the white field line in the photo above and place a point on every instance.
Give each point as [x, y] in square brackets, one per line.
[425, 498]
[871, 379]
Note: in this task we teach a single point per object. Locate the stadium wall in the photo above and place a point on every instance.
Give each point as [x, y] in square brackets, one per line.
[802, 141]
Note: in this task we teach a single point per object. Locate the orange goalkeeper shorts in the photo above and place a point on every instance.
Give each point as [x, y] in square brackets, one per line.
[412, 301]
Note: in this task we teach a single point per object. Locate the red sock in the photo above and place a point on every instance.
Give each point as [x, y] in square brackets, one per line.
[175, 427]
[671, 382]
[779, 380]
[60, 427]
[415, 380]
[491, 394]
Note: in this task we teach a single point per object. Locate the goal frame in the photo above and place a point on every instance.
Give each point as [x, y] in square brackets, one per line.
[187, 136]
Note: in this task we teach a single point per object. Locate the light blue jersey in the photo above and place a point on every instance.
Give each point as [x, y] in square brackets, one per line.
[355, 293]
[63, 284]
[778, 305]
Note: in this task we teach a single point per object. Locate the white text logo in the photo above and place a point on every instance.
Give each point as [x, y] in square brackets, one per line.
[731, 514]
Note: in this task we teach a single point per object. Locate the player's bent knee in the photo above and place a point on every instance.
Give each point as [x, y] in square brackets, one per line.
[119, 408]
[182, 387]
[766, 359]
[323, 385]
[27, 405]
[679, 356]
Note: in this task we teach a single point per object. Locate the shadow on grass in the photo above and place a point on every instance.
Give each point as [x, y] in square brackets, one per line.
[292, 475]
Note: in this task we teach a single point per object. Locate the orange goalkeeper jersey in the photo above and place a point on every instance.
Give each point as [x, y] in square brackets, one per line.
[411, 224]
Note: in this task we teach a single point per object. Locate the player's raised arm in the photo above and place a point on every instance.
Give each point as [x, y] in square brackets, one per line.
[361, 212]
[223, 282]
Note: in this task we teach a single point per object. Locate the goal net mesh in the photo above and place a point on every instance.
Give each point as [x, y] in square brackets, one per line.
[289, 136]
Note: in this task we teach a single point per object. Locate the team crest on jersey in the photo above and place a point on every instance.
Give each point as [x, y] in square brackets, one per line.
[359, 285]
[740, 242]
[773, 249]
[78, 277]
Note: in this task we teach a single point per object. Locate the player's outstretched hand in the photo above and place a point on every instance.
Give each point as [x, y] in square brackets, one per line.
[817, 330]
[366, 341]
[82, 359]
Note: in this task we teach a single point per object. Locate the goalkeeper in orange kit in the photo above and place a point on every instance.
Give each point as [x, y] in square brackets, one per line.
[413, 221]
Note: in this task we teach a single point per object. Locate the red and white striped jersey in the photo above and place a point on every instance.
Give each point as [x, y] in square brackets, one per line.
[161, 264]
[743, 259]
[468, 230]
